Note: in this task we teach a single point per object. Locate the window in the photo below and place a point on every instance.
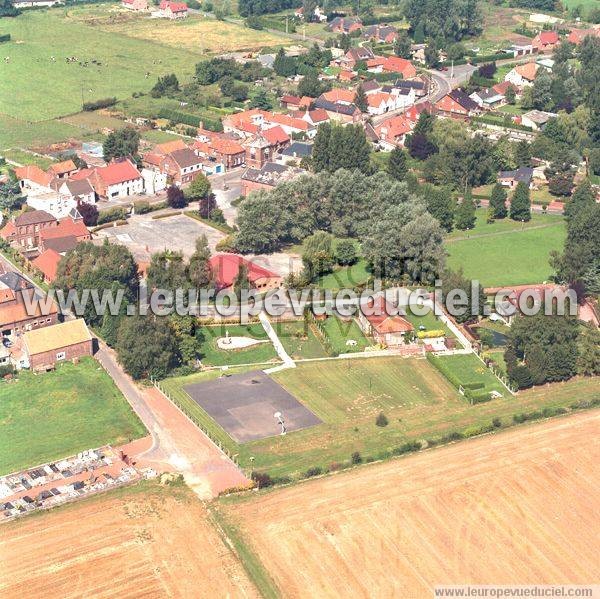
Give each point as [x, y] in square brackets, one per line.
[61, 355]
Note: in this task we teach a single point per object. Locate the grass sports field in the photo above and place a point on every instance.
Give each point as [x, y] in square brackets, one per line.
[57, 414]
[507, 252]
[348, 394]
[146, 539]
[495, 510]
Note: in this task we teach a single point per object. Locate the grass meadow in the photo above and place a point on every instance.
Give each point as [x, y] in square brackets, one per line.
[49, 416]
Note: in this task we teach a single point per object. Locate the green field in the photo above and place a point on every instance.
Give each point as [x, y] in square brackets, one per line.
[49, 416]
[34, 87]
[299, 340]
[339, 332]
[506, 252]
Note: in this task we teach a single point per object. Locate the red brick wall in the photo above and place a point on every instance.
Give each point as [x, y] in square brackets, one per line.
[48, 360]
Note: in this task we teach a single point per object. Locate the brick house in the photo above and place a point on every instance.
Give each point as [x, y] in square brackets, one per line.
[47, 264]
[68, 340]
[15, 318]
[345, 25]
[24, 230]
[180, 166]
[62, 170]
[221, 148]
[457, 105]
[225, 268]
[392, 132]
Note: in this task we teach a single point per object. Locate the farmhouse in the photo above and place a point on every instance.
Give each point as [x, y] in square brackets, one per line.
[380, 322]
[46, 347]
[180, 165]
[487, 98]
[33, 178]
[576, 36]
[383, 34]
[545, 41]
[395, 64]
[457, 105]
[225, 268]
[14, 316]
[173, 10]
[116, 180]
[222, 148]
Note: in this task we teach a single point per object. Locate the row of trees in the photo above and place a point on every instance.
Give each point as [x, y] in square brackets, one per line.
[443, 19]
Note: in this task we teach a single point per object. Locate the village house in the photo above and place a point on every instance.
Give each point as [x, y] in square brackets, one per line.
[545, 41]
[395, 64]
[268, 176]
[173, 10]
[510, 179]
[382, 102]
[291, 102]
[316, 117]
[339, 112]
[135, 4]
[117, 180]
[226, 267]
[392, 132]
[488, 98]
[224, 150]
[318, 14]
[345, 25]
[520, 50]
[457, 105]
[180, 165]
[23, 231]
[383, 34]
[502, 87]
[15, 318]
[51, 202]
[77, 190]
[413, 113]
[66, 341]
[419, 86]
[294, 152]
[62, 170]
[522, 75]
[379, 320]
[47, 265]
[355, 55]
[33, 178]
[403, 96]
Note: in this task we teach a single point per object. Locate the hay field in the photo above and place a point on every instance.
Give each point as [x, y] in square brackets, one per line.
[517, 507]
[145, 541]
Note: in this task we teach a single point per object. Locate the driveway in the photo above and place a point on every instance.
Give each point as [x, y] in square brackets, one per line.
[178, 445]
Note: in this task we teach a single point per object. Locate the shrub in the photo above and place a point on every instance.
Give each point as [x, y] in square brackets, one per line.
[262, 479]
[142, 207]
[431, 334]
[381, 420]
[6, 370]
[112, 214]
[407, 447]
[97, 104]
[496, 423]
[356, 458]
[455, 436]
[314, 471]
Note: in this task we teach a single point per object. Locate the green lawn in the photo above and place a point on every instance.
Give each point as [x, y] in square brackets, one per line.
[16, 133]
[467, 368]
[211, 355]
[507, 253]
[298, 340]
[49, 416]
[35, 87]
[24, 158]
[339, 332]
[346, 277]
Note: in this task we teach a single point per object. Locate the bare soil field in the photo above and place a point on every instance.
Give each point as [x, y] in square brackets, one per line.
[145, 541]
[519, 507]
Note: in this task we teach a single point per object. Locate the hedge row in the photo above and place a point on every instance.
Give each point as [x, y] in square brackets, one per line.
[97, 104]
[500, 123]
[491, 57]
[450, 375]
[193, 120]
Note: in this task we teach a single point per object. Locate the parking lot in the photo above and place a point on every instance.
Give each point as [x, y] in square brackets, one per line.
[144, 235]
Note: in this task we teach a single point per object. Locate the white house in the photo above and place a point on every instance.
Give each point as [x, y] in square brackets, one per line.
[522, 75]
[52, 202]
[117, 180]
[154, 180]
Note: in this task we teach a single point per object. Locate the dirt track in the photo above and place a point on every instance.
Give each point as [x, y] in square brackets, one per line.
[135, 545]
[518, 507]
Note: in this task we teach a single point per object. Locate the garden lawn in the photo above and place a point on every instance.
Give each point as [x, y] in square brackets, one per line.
[348, 394]
[57, 414]
[507, 257]
[211, 355]
[17, 133]
[468, 368]
[346, 277]
[25, 158]
[34, 87]
[338, 332]
[298, 340]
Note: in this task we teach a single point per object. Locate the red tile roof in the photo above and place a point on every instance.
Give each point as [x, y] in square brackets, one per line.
[383, 319]
[318, 115]
[275, 135]
[65, 228]
[174, 6]
[392, 128]
[396, 64]
[34, 173]
[118, 172]
[170, 146]
[61, 168]
[548, 37]
[289, 99]
[416, 109]
[47, 263]
[340, 95]
[225, 268]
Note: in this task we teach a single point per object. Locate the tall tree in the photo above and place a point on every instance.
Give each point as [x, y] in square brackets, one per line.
[176, 197]
[498, 202]
[199, 271]
[520, 205]
[440, 204]
[121, 143]
[361, 99]
[402, 46]
[199, 188]
[542, 90]
[241, 281]
[464, 217]
[397, 166]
